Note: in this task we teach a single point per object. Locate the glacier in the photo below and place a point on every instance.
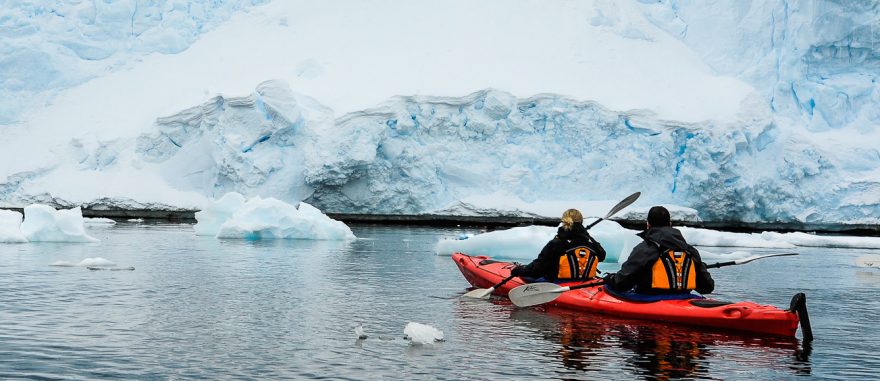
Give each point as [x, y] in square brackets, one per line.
[762, 111]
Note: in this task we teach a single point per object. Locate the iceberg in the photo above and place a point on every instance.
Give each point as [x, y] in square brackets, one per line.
[42, 223]
[10, 227]
[257, 218]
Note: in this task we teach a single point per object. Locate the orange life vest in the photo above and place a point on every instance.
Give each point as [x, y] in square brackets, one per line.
[578, 263]
[674, 270]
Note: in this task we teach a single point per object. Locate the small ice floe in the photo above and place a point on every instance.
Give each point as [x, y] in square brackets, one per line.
[868, 261]
[135, 220]
[359, 332]
[98, 221]
[96, 263]
[422, 334]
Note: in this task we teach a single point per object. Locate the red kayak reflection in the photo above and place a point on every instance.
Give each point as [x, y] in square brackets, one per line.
[657, 351]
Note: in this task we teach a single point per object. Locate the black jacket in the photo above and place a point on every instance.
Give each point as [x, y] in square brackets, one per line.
[547, 264]
[636, 271]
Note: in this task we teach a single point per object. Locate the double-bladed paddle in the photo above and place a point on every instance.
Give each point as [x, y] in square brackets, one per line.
[539, 293]
[485, 292]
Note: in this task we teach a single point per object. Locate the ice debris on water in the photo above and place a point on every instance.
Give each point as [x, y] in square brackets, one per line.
[96, 261]
[419, 333]
[359, 331]
[868, 261]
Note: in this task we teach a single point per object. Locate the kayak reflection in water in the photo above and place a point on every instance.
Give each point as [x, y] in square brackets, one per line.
[571, 255]
[663, 264]
[598, 346]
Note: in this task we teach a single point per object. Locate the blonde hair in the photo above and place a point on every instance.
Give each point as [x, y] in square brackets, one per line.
[570, 217]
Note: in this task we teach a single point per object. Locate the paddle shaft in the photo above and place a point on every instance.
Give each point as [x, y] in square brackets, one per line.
[503, 282]
[620, 205]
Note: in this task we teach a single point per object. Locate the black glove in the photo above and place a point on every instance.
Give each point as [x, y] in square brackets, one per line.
[515, 271]
[608, 278]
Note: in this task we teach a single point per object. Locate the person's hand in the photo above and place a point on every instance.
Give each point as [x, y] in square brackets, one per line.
[608, 278]
[516, 269]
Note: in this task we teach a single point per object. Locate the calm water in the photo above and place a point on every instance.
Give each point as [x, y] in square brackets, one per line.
[201, 308]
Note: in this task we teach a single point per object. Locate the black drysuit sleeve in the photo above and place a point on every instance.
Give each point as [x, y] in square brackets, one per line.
[633, 269]
[541, 265]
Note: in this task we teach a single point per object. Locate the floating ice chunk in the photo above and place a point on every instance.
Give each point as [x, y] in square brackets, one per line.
[812, 240]
[96, 261]
[10, 227]
[210, 218]
[260, 218]
[707, 255]
[515, 243]
[422, 334]
[42, 223]
[359, 332]
[868, 261]
[526, 242]
[99, 221]
[706, 237]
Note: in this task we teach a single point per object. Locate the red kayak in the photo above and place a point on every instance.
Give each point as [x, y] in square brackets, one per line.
[483, 272]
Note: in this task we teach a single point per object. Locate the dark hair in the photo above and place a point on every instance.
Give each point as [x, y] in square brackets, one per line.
[658, 216]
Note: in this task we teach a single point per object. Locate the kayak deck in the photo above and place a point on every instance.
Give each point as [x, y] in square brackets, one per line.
[483, 272]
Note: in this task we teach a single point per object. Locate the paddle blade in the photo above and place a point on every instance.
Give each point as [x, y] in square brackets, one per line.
[480, 293]
[623, 204]
[535, 293]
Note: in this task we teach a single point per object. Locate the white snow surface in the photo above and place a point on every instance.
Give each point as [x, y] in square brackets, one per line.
[43, 223]
[759, 111]
[257, 218]
[420, 333]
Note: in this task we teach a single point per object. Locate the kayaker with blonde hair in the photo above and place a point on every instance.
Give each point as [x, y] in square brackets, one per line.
[571, 255]
[664, 263]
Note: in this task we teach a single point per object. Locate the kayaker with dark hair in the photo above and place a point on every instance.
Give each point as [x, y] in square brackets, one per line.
[571, 255]
[664, 263]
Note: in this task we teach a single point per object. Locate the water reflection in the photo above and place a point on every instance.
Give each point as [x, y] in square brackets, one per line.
[655, 351]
